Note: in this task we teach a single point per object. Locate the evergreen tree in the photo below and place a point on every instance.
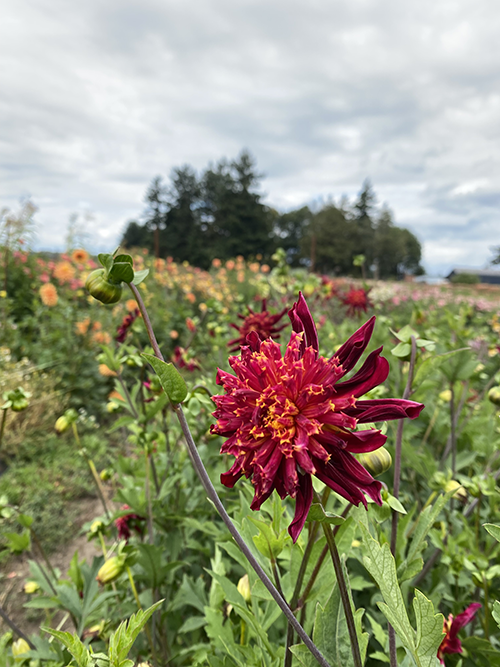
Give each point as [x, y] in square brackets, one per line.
[156, 208]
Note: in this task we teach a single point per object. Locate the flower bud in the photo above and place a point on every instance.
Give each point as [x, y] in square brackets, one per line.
[31, 587]
[445, 395]
[96, 527]
[460, 492]
[105, 474]
[111, 570]
[494, 395]
[376, 462]
[62, 424]
[19, 648]
[244, 588]
[19, 405]
[102, 289]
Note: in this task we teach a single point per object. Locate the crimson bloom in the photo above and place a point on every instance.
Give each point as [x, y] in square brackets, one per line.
[263, 323]
[451, 643]
[289, 417]
[356, 300]
[128, 320]
[128, 522]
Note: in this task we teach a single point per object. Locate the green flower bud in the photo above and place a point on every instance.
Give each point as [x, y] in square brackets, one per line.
[105, 474]
[376, 462]
[19, 648]
[111, 570]
[101, 288]
[19, 405]
[494, 395]
[62, 425]
[460, 492]
[31, 587]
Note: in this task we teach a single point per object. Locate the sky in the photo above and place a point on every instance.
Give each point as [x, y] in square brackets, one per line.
[97, 98]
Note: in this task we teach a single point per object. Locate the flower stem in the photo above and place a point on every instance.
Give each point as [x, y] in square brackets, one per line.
[2, 427]
[344, 594]
[15, 628]
[97, 481]
[395, 491]
[214, 498]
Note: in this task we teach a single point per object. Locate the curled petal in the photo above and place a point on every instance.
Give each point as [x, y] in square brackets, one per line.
[372, 373]
[301, 319]
[382, 409]
[302, 505]
[349, 353]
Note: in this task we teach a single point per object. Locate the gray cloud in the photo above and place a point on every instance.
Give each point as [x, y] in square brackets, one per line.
[97, 98]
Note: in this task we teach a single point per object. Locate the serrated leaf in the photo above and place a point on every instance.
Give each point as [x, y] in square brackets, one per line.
[139, 276]
[170, 379]
[267, 542]
[25, 520]
[409, 570]
[317, 513]
[429, 630]
[432, 364]
[493, 530]
[79, 652]
[122, 640]
[380, 563]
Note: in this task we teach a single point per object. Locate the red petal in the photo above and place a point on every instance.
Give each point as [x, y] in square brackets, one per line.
[349, 353]
[382, 409]
[301, 319]
[372, 373]
[302, 504]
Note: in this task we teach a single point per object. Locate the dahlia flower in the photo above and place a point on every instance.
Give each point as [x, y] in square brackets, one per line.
[356, 300]
[451, 643]
[128, 320]
[263, 323]
[289, 417]
[128, 522]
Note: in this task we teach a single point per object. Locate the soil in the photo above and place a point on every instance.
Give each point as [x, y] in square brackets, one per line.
[16, 573]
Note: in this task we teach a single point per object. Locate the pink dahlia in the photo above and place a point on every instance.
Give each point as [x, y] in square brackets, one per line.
[263, 323]
[451, 643]
[290, 417]
[356, 300]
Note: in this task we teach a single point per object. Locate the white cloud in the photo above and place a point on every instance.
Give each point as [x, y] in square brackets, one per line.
[97, 98]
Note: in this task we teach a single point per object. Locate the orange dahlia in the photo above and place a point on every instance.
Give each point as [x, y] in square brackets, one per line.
[48, 295]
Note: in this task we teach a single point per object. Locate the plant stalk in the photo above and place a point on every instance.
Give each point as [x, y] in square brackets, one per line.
[214, 498]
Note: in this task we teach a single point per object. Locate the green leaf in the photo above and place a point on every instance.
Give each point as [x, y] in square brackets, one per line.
[429, 630]
[122, 640]
[424, 523]
[123, 258]
[381, 565]
[121, 272]
[496, 612]
[18, 542]
[139, 276]
[317, 513]
[493, 530]
[25, 520]
[404, 335]
[395, 504]
[267, 542]
[79, 652]
[432, 364]
[170, 379]
[402, 350]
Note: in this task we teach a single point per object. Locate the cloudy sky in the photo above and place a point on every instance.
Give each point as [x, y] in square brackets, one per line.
[98, 97]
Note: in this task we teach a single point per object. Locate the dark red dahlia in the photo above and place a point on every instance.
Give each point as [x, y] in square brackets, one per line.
[263, 323]
[127, 322]
[289, 417]
[451, 643]
[129, 522]
[356, 300]
[181, 360]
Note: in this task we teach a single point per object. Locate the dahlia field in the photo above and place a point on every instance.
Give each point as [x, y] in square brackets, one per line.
[283, 468]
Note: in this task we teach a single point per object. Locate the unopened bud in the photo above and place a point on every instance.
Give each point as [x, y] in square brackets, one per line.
[105, 474]
[494, 395]
[62, 424]
[460, 492]
[111, 570]
[102, 289]
[376, 462]
[445, 395]
[19, 648]
[31, 587]
[244, 588]
[20, 405]
[96, 527]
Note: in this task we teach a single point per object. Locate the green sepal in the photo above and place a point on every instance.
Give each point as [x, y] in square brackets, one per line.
[121, 272]
[170, 379]
[106, 260]
[139, 276]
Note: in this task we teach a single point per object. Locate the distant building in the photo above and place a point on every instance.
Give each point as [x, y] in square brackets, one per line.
[490, 276]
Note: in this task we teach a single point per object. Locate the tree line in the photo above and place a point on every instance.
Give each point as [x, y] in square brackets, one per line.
[219, 213]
